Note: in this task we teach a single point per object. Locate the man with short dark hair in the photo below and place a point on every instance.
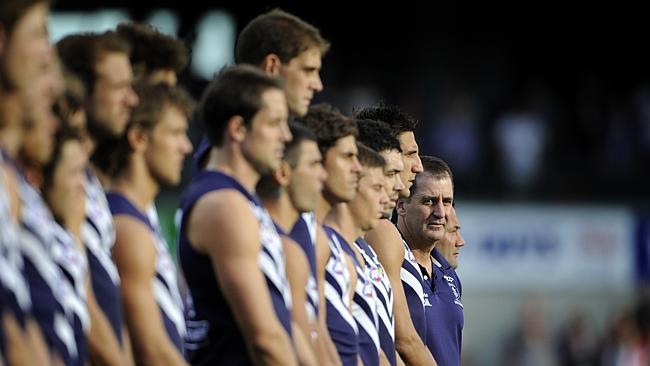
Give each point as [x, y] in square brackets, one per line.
[282, 45]
[101, 61]
[231, 254]
[336, 135]
[422, 221]
[378, 136]
[151, 155]
[394, 255]
[346, 224]
[291, 194]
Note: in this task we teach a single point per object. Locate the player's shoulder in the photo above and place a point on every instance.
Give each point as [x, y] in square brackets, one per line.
[385, 238]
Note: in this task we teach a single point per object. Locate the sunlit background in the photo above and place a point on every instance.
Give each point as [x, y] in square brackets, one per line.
[543, 113]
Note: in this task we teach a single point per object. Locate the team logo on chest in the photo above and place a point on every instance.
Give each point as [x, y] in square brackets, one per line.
[454, 290]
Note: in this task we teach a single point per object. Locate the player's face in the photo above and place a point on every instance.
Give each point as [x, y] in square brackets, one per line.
[38, 142]
[342, 166]
[167, 147]
[302, 80]
[424, 213]
[307, 178]
[41, 123]
[449, 246]
[267, 133]
[28, 52]
[68, 180]
[393, 181]
[368, 204]
[411, 158]
[113, 96]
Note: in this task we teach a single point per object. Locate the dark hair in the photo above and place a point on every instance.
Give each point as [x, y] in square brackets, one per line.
[369, 158]
[397, 120]
[280, 33]
[329, 125]
[377, 135]
[267, 186]
[152, 50]
[433, 167]
[236, 91]
[73, 98]
[146, 115]
[64, 134]
[300, 133]
[11, 12]
[80, 53]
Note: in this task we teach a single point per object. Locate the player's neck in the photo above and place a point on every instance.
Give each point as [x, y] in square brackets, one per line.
[322, 209]
[384, 228]
[282, 211]
[137, 184]
[341, 219]
[229, 160]
[421, 249]
[104, 179]
[423, 257]
[10, 115]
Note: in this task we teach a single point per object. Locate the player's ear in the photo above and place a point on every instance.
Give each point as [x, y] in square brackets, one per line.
[271, 64]
[236, 128]
[400, 207]
[283, 174]
[137, 138]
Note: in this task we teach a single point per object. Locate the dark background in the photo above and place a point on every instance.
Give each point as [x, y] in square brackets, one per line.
[580, 74]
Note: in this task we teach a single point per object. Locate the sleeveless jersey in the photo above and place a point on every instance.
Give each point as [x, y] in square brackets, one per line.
[364, 309]
[98, 235]
[164, 284]
[213, 336]
[304, 233]
[383, 289]
[53, 298]
[340, 322]
[412, 282]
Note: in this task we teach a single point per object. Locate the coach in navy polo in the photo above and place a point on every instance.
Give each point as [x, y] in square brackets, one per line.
[423, 221]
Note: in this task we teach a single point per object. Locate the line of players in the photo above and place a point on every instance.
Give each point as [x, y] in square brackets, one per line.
[286, 246]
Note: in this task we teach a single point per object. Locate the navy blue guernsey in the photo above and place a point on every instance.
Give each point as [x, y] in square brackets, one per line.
[164, 284]
[200, 155]
[444, 311]
[15, 290]
[304, 233]
[98, 235]
[73, 263]
[213, 336]
[51, 293]
[413, 284]
[341, 325]
[384, 292]
[364, 309]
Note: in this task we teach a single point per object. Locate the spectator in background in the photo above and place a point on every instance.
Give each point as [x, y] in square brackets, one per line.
[521, 138]
[531, 343]
[577, 343]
